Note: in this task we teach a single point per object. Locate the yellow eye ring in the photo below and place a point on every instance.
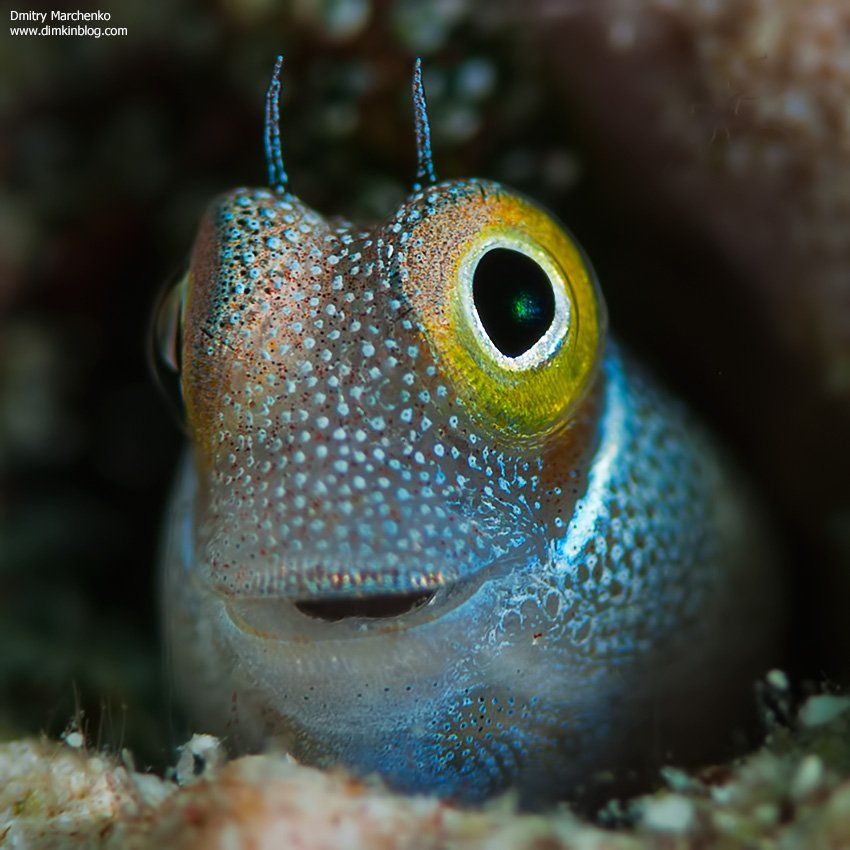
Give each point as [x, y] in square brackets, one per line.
[527, 397]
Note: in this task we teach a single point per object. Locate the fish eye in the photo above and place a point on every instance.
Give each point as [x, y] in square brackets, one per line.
[516, 308]
[509, 304]
[165, 342]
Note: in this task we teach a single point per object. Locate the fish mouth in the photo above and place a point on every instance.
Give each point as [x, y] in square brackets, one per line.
[339, 617]
[371, 608]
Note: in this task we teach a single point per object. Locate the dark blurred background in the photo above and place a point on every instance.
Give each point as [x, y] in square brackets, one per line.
[110, 149]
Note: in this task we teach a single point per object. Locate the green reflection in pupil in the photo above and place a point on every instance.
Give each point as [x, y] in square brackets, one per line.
[526, 307]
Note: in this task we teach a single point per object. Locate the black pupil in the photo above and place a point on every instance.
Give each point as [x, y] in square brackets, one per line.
[514, 300]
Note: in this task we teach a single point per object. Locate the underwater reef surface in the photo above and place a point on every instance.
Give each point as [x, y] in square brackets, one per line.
[738, 111]
[793, 793]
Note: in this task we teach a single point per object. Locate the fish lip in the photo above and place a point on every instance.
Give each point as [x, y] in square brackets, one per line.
[338, 586]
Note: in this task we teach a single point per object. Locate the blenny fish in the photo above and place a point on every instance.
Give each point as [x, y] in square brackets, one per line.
[434, 524]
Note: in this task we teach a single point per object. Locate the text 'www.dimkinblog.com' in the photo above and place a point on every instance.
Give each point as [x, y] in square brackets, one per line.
[63, 23]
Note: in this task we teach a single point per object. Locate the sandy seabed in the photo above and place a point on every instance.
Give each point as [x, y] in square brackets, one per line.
[793, 792]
